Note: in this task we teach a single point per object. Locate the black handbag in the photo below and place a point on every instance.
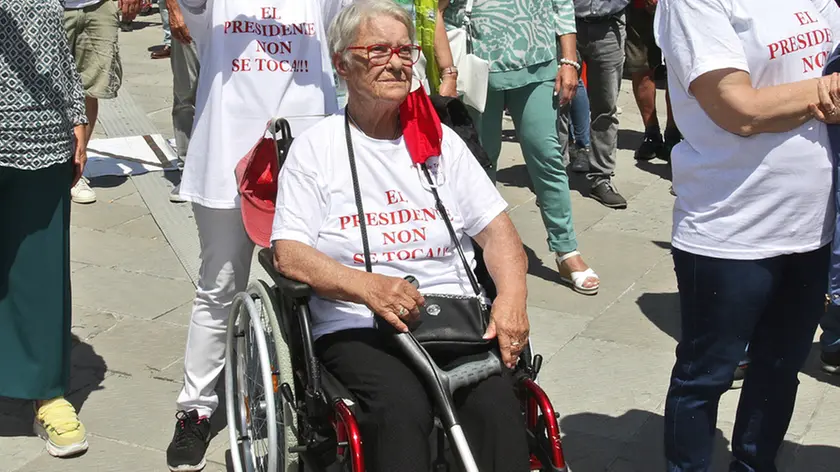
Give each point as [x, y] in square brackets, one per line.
[448, 324]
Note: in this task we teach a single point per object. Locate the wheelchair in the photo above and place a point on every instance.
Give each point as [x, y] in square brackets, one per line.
[287, 413]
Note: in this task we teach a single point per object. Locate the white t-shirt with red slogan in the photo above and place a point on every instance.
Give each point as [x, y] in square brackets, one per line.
[316, 206]
[259, 59]
[748, 197]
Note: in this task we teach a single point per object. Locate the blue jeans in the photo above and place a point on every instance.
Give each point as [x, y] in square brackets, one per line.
[164, 19]
[579, 117]
[774, 305]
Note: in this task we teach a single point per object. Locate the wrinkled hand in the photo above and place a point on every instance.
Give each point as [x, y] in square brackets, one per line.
[509, 323]
[80, 152]
[565, 85]
[828, 110]
[176, 23]
[449, 86]
[388, 296]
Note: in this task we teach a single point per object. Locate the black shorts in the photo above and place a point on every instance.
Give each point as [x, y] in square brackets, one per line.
[641, 52]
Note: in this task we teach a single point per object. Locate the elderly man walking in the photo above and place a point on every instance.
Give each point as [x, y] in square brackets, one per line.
[600, 38]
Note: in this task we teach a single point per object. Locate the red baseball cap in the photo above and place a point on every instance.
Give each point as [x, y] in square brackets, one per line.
[256, 175]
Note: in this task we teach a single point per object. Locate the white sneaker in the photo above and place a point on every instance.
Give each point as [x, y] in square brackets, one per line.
[82, 193]
[175, 195]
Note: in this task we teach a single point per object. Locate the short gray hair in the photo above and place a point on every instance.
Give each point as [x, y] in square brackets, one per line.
[345, 27]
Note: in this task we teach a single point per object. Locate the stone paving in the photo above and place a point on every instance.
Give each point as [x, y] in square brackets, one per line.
[607, 358]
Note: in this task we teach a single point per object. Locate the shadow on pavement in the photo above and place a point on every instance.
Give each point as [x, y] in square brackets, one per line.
[538, 269]
[663, 310]
[87, 372]
[108, 181]
[656, 167]
[813, 368]
[589, 448]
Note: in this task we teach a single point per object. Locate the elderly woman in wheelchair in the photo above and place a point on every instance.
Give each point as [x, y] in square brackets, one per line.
[373, 244]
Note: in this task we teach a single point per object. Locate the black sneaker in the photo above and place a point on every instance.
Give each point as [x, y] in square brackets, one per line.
[189, 444]
[738, 378]
[830, 362]
[605, 193]
[652, 147]
[580, 159]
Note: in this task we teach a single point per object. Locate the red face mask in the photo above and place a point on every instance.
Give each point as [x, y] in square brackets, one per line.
[421, 126]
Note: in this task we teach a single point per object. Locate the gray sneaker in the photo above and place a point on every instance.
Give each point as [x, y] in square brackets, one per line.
[605, 193]
[175, 195]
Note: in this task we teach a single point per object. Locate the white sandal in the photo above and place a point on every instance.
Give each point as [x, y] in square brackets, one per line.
[578, 278]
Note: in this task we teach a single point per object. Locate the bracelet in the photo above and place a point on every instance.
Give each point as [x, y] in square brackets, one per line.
[567, 62]
[451, 70]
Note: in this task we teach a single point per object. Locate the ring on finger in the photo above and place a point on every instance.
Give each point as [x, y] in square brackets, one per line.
[403, 311]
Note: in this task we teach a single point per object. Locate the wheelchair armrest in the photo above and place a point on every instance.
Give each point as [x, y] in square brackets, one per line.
[290, 288]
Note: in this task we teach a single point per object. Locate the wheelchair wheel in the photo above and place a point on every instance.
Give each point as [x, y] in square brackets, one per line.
[249, 395]
[281, 367]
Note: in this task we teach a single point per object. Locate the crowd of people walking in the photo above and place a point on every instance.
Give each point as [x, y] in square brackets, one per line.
[749, 140]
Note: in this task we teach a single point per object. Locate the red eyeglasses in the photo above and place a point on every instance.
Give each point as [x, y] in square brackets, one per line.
[380, 54]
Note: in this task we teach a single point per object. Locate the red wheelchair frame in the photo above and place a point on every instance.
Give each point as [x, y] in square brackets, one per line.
[328, 433]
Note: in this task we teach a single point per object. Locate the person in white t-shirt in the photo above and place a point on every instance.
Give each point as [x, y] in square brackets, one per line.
[259, 59]
[754, 213]
[317, 240]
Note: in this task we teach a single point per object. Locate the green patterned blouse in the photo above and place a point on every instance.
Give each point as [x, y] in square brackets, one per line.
[41, 97]
[518, 37]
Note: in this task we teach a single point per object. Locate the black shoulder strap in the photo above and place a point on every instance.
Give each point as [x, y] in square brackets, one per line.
[361, 210]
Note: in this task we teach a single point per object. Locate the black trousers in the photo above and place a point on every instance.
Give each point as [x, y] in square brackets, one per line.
[396, 414]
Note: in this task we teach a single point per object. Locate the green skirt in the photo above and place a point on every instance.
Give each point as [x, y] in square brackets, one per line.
[35, 282]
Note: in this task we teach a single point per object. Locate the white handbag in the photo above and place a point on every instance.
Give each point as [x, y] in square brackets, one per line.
[473, 72]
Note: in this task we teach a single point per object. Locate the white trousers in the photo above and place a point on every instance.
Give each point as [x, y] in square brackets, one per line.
[226, 253]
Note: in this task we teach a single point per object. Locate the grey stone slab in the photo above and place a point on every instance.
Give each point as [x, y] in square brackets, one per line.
[134, 410]
[552, 330]
[819, 449]
[648, 216]
[142, 227]
[88, 323]
[128, 293]
[133, 199]
[104, 455]
[141, 348]
[17, 451]
[647, 316]
[179, 315]
[128, 253]
[619, 262]
[593, 378]
[103, 215]
[75, 265]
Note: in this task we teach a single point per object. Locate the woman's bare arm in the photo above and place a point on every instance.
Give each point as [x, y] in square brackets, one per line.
[325, 275]
[385, 296]
[504, 256]
[728, 97]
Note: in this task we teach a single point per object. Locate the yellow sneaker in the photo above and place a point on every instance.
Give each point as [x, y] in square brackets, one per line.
[57, 423]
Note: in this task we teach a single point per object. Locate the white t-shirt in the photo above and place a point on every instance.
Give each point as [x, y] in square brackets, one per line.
[316, 206]
[748, 197]
[259, 59]
[77, 4]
